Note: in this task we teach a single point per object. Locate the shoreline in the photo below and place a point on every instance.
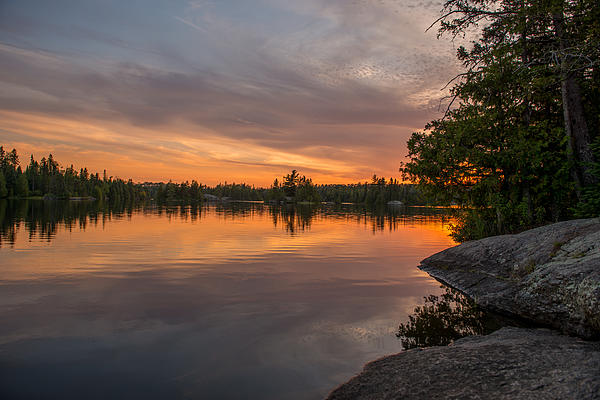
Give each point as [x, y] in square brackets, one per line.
[548, 276]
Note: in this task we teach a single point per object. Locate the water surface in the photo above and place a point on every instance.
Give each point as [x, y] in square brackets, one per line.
[217, 301]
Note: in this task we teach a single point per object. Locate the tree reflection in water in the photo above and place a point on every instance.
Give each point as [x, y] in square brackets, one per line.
[444, 319]
[42, 219]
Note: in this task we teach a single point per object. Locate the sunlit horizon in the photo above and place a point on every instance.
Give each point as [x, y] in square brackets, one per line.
[227, 91]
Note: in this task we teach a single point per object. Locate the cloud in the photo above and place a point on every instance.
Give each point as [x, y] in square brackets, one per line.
[327, 82]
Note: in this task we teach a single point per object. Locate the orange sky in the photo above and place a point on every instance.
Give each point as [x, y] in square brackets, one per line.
[140, 162]
[227, 91]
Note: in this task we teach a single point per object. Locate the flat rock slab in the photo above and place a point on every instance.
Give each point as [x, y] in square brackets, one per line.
[511, 363]
[548, 275]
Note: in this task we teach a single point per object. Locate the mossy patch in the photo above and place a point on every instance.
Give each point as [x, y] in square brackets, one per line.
[522, 270]
[556, 248]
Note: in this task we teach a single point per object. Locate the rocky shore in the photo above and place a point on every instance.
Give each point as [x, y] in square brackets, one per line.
[511, 363]
[549, 276]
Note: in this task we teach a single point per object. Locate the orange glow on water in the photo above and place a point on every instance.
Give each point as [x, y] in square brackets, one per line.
[211, 237]
[287, 288]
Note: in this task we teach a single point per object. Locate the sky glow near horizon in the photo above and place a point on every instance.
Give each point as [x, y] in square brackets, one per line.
[227, 90]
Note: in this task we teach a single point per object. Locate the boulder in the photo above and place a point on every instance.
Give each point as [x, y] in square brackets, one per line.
[395, 203]
[511, 363]
[548, 275]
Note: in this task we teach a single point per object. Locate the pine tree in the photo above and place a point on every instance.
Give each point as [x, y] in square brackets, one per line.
[3, 190]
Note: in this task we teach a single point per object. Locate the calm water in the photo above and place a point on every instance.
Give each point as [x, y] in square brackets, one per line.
[239, 301]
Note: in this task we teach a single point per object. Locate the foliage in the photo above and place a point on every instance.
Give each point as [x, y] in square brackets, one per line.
[47, 178]
[22, 186]
[174, 193]
[276, 193]
[236, 191]
[290, 183]
[590, 204]
[377, 192]
[444, 319]
[512, 146]
[294, 188]
[3, 190]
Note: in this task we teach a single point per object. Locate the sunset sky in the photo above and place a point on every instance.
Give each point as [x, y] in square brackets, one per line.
[221, 90]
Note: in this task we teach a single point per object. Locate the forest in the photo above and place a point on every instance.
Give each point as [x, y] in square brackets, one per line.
[293, 188]
[519, 144]
[49, 180]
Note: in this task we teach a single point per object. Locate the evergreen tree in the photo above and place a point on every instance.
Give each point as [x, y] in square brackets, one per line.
[514, 146]
[22, 186]
[3, 190]
[290, 183]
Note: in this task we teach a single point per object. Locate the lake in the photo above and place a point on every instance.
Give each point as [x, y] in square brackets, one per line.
[224, 301]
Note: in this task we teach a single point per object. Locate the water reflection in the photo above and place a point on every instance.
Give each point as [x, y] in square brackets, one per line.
[444, 319]
[215, 301]
[42, 219]
[191, 213]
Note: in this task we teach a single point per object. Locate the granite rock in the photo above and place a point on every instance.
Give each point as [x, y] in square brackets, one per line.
[511, 363]
[548, 275]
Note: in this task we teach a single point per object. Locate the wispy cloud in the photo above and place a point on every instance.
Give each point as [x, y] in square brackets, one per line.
[190, 23]
[334, 88]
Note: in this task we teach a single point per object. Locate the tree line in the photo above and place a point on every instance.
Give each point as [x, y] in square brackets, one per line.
[378, 191]
[46, 178]
[292, 188]
[519, 143]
